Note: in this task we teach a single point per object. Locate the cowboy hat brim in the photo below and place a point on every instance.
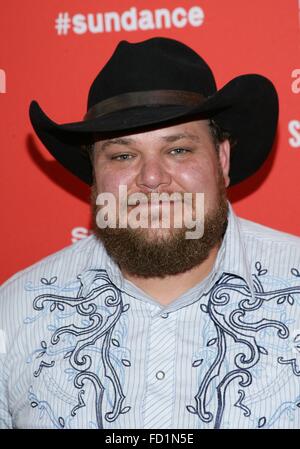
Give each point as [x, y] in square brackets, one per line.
[246, 107]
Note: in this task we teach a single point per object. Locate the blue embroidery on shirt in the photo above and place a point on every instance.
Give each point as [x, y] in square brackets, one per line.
[287, 408]
[44, 407]
[97, 326]
[239, 404]
[292, 362]
[234, 324]
[43, 365]
[93, 284]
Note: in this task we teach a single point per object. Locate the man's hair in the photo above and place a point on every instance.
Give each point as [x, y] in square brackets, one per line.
[219, 134]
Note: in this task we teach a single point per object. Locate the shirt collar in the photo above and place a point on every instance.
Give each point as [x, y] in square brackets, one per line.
[231, 259]
[232, 255]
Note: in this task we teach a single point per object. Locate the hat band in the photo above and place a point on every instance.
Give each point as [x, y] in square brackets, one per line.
[144, 98]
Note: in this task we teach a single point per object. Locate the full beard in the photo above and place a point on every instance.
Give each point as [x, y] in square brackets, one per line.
[136, 251]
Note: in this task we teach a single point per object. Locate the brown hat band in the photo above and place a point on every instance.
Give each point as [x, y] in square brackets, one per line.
[144, 98]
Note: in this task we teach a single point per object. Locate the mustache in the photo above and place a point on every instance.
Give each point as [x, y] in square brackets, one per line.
[163, 196]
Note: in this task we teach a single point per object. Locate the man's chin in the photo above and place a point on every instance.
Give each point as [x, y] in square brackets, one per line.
[155, 234]
[159, 252]
[164, 251]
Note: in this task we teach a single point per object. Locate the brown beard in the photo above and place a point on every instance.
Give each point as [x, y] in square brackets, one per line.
[174, 254]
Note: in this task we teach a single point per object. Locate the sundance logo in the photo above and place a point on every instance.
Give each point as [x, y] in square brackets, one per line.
[79, 233]
[129, 20]
[294, 130]
[2, 82]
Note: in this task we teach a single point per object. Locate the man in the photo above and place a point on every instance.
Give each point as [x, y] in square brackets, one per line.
[142, 327]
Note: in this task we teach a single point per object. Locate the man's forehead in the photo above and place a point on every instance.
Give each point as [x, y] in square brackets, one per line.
[189, 130]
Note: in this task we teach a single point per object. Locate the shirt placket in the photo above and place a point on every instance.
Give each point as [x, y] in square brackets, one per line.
[160, 371]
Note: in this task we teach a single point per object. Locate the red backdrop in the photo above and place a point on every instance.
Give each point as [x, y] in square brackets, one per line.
[44, 208]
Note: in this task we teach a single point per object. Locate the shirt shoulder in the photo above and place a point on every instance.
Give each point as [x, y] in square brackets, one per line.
[263, 233]
[57, 274]
[277, 249]
[73, 256]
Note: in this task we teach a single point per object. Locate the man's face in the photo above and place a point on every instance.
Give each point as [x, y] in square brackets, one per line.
[180, 158]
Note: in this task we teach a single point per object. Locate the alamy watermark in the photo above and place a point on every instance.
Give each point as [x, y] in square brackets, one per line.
[187, 211]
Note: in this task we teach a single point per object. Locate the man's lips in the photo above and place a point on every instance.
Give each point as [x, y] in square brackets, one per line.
[154, 203]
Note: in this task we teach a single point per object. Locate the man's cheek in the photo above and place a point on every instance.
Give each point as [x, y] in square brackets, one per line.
[109, 182]
[196, 167]
[193, 179]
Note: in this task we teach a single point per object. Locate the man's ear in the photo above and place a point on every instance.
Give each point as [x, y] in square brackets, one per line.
[224, 158]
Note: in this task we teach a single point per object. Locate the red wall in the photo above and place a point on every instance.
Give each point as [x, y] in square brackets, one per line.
[42, 204]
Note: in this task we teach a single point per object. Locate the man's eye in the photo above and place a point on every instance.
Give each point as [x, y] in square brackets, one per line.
[179, 151]
[121, 157]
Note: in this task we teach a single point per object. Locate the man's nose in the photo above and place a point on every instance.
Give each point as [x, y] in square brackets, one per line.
[153, 174]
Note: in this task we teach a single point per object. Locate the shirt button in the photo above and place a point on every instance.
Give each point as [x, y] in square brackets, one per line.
[164, 315]
[160, 375]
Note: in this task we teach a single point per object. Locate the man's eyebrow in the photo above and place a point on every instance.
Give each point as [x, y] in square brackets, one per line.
[170, 138]
[117, 141]
[174, 137]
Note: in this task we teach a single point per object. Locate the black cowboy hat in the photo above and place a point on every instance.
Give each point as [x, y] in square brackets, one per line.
[157, 82]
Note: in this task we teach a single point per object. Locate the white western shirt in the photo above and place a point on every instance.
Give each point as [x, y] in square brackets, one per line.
[82, 347]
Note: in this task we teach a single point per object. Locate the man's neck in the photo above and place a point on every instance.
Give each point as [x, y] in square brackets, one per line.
[165, 290]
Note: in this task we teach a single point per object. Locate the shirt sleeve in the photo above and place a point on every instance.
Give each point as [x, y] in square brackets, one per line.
[5, 417]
